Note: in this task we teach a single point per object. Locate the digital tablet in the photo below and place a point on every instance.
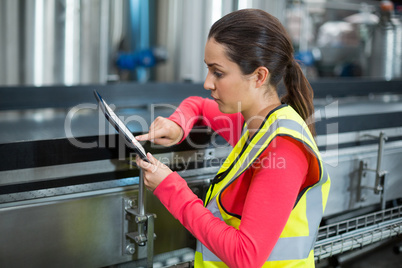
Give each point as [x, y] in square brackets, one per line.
[121, 128]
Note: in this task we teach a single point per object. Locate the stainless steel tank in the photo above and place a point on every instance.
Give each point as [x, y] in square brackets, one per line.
[183, 26]
[66, 42]
[70, 42]
[386, 47]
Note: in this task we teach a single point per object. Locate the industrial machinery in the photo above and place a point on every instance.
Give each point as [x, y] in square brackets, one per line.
[70, 195]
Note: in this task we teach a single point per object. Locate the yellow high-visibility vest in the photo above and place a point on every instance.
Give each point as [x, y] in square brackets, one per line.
[295, 245]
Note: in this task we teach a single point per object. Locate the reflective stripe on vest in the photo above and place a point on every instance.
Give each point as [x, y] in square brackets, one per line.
[296, 242]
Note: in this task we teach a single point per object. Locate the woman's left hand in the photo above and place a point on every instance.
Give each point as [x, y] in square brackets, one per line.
[154, 172]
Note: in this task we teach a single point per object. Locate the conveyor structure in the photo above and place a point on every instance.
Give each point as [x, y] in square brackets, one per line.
[70, 195]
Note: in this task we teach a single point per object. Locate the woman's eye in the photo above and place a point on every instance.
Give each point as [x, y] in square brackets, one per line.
[218, 74]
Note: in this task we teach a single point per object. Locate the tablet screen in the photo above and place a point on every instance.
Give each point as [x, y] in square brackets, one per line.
[120, 127]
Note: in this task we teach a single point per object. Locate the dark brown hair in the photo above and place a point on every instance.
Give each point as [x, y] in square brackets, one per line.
[254, 38]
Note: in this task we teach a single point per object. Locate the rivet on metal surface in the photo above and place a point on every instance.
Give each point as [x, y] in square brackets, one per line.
[130, 249]
[132, 203]
[140, 219]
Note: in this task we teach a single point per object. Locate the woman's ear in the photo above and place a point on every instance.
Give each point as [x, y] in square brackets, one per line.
[262, 76]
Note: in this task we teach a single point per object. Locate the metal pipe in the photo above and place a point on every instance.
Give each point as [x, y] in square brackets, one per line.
[150, 239]
[379, 173]
[141, 196]
[141, 208]
[104, 41]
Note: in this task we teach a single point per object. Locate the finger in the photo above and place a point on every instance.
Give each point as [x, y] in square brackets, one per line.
[163, 141]
[143, 137]
[158, 133]
[152, 135]
[153, 161]
[146, 166]
[154, 127]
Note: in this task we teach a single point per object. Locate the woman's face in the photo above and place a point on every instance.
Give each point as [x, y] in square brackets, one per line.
[229, 87]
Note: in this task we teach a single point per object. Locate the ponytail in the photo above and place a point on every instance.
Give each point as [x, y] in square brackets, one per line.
[299, 94]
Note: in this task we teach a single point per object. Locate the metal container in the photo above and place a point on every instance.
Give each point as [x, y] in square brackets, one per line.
[398, 46]
[66, 42]
[386, 52]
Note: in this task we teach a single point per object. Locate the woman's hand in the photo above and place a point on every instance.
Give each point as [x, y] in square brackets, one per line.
[154, 172]
[163, 131]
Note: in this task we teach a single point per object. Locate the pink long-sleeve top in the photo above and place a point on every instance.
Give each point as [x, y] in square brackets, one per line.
[263, 196]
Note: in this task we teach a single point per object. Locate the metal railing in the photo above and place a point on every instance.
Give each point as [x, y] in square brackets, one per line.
[355, 233]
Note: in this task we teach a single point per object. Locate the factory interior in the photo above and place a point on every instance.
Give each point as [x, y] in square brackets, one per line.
[70, 192]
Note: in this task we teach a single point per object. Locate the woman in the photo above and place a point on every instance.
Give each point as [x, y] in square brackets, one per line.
[257, 213]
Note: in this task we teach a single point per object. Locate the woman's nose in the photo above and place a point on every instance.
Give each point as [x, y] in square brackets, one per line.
[208, 83]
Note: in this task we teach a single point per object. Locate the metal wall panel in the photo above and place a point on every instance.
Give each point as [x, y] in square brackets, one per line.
[343, 167]
[81, 230]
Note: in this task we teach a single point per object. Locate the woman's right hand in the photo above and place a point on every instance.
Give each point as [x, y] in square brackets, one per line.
[163, 131]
